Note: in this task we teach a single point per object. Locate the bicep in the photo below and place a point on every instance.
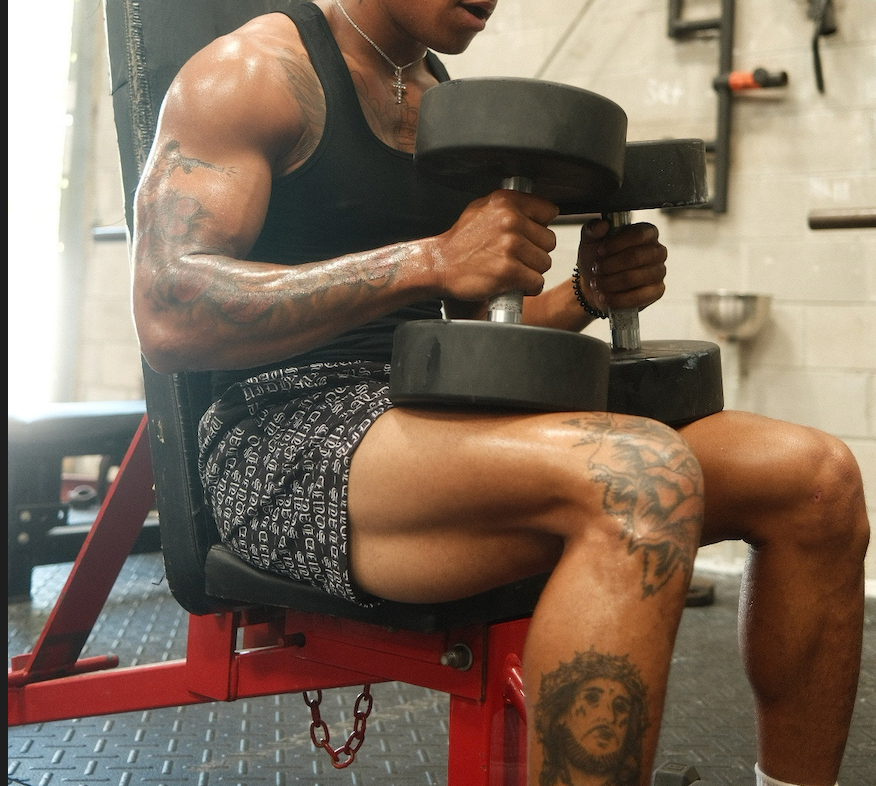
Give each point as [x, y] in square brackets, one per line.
[201, 194]
[226, 121]
[201, 201]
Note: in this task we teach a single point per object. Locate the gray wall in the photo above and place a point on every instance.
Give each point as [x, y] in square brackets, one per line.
[793, 150]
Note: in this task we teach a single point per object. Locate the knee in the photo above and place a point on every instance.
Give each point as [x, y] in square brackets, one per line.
[829, 496]
[840, 476]
[649, 491]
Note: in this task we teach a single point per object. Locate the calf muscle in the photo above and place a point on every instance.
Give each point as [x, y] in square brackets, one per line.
[448, 504]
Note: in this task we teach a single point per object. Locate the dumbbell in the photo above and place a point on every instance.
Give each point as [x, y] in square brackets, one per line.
[671, 381]
[559, 142]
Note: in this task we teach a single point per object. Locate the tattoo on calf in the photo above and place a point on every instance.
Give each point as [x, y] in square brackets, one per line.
[590, 719]
[648, 476]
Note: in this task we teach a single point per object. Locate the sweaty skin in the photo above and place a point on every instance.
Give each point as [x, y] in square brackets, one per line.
[613, 506]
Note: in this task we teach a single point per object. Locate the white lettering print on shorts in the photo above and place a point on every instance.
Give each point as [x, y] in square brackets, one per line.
[280, 502]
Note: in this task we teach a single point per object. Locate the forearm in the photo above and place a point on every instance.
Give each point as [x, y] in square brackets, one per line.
[198, 306]
[556, 308]
[206, 311]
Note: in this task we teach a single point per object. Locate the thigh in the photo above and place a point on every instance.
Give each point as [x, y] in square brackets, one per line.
[444, 504]
[441, 504]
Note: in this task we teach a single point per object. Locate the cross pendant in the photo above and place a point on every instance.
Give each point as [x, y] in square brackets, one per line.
[399, 86]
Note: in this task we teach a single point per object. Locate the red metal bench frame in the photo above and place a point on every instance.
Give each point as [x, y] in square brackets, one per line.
[486, 723]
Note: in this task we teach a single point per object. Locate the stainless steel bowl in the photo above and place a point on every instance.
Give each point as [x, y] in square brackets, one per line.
[733, 316]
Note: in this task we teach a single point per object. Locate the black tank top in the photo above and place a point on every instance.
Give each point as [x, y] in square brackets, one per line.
[354, 193]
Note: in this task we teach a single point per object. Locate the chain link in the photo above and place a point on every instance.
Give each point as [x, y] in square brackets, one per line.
[319, 732]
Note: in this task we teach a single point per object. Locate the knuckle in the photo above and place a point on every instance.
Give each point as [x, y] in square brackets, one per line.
[508, 221]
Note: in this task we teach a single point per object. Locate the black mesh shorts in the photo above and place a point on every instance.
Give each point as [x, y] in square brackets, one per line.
[274, 459]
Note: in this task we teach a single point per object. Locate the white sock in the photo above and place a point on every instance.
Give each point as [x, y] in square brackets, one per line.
[764, 780]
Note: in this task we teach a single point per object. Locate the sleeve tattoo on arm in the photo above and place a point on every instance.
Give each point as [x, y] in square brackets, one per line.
[189, 270]
[169, 216]
[172, 158]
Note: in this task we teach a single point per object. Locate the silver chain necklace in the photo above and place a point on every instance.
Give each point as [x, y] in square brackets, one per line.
[399, 86]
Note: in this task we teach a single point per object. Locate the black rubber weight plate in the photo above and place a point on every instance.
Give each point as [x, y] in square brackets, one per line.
[476, 363]
[665, 173]
[473, 133]
[674, 382]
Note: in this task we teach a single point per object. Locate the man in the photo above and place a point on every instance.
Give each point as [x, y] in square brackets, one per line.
[282, 232]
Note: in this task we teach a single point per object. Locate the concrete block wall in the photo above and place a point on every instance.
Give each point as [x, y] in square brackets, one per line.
[110, 358]
[108, 362]
[793, 150]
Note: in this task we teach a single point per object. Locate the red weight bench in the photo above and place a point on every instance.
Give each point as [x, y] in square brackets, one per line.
[250, 633]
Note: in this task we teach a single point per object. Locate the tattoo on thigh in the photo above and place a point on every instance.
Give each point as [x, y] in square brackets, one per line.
[590, 719]
[653, 484]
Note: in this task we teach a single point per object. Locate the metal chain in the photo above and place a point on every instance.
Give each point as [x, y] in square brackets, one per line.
[399, 86]
[357, 736]
[397, 68]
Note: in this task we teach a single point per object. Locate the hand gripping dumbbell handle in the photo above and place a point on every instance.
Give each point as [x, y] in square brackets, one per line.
[508, 306]
[625, 321]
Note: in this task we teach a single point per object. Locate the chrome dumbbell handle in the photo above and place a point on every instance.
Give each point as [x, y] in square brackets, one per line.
[508, 306]
[624, 322]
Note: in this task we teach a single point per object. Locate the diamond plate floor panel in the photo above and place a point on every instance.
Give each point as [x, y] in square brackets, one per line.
[708, 720]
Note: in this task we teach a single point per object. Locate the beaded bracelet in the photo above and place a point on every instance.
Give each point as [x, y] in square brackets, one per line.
[579, 296]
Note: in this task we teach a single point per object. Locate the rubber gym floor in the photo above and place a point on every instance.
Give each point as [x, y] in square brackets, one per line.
[708, 721]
